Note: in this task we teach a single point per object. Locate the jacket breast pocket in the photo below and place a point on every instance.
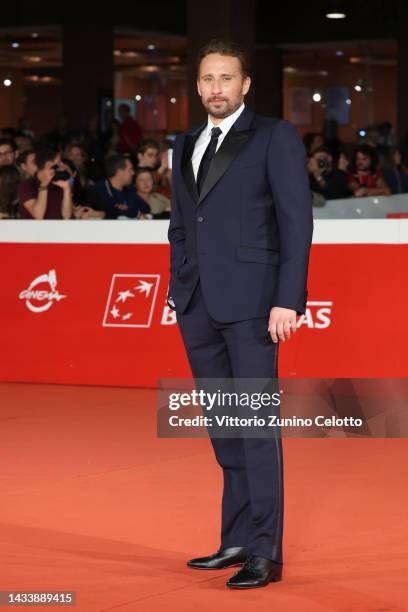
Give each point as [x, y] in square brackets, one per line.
[252, 254]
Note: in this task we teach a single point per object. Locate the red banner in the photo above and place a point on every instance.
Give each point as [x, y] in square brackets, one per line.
[96, 314]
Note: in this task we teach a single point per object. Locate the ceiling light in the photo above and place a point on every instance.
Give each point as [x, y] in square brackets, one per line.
[334, 15]
[7, 82]
[138, 97]
[34, 59]
[173, 100]
[151, 47]
[34, 35]
[339, 53]
[15, 45]
[358, 87]
[316, 97]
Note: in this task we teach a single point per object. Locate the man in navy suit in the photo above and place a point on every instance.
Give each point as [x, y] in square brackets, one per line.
[240, 234]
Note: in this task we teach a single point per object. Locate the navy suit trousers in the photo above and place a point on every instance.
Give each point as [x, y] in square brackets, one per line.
[252, 501]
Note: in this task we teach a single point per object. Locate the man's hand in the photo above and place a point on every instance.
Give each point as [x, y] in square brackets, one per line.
[281, 322]
[64, 185]
[46, 175]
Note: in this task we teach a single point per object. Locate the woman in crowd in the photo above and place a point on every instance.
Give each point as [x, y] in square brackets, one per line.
[144, 183]
[9, 179]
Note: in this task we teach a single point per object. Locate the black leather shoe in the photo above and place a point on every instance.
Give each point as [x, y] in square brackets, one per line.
[257, 572]
[223, 558]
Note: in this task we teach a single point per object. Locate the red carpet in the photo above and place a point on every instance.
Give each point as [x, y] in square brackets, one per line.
[93, 502]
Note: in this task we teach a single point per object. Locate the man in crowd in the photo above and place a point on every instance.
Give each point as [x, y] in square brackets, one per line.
[130, 133]
[27, 165]
[324, 178]
[148, 154]
[76, 154]
[8, 150]
[116, 195]
[364, 177]
[45, 195]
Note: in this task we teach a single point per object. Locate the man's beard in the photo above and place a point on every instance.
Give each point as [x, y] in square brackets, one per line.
[227, 108]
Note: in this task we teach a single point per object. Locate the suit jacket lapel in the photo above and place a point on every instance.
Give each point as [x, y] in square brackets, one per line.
[186, 164]
[230, 147]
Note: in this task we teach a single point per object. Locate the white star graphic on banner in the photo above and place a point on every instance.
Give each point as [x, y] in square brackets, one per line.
[123, 295]
[144, 287]
[115, 312]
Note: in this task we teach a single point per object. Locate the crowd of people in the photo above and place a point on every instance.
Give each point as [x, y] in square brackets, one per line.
[373, 167]
[85, 174]
[117, 174]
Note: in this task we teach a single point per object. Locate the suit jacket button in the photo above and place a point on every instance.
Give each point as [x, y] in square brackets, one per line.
[200, 219]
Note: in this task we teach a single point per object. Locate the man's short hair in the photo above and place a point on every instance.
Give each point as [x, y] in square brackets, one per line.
[8, 141]
[225, 47]
[22, 158]
[115, 162]
[147, 143]
[43, 156]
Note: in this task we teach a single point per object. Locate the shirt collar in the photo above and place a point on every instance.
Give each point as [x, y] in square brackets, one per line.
[226, 124]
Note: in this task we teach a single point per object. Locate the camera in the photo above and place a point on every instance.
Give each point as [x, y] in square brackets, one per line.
[60, 175]
[323, 163]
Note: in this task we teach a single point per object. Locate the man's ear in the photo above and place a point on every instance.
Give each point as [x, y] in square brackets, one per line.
[198, 88]
[246, 85]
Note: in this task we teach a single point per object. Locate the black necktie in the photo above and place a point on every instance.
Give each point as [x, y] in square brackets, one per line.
[207, 158]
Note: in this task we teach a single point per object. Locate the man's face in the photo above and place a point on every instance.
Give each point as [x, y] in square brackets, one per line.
[30, 167]
[149, 159]
[221, 85]
[363, 162]
[76, 155]
[127, 173]
[7, 155]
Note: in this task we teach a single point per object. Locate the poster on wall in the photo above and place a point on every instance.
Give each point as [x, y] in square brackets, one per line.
[338, 104]
[300, 103]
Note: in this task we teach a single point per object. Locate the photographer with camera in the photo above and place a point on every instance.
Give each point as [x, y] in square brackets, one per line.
[325, 179]
[47, 195]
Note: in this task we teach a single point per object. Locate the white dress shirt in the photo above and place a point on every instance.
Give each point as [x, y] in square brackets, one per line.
[203, 140]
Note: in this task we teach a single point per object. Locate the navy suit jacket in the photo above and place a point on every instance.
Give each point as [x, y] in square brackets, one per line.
[247, 236]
